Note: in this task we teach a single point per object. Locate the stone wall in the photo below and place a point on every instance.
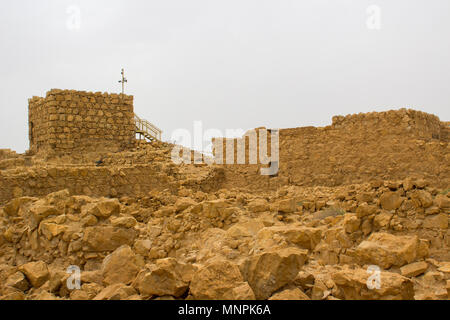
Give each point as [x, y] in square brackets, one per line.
[354, 149]
[87, 180]
[68, 121]
[393, 145]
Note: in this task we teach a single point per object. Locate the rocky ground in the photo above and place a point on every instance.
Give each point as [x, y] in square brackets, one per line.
[379, 240]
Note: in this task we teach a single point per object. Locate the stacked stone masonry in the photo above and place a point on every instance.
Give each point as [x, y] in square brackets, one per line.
[66, 121]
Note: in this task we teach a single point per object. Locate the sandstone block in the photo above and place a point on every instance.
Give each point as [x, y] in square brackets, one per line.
[269, 271]
[386, 250]
[120, 266]
[220, 280]
[36, 272]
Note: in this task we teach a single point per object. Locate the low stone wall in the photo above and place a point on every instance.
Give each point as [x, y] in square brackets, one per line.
[92, 181]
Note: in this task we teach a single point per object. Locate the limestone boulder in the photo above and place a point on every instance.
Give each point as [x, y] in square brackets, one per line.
[167, 277]
[103, 208]
[121, 266]
[301, 236]
[258, 205]
[36, 272]
[391, 200]
[220, 280]
[386, 250]
[18, 281]
[362, 284]
[269, 271]
[414, 269]
[107, 238]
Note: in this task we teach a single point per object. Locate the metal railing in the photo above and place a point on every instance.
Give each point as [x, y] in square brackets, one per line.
[147, 129]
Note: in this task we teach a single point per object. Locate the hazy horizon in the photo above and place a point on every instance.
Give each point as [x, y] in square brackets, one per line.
[231, 65]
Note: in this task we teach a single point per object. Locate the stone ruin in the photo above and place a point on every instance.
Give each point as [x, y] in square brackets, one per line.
[368, 190]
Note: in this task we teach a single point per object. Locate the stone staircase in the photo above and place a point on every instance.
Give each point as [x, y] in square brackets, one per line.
[147, 130]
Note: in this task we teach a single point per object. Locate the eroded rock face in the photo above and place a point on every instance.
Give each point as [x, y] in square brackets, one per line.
[167, 277]
[121, 266]
[220, 280]
[269, 271]
[36, 272]
[386, 250]
[360, 284]
[107, 238]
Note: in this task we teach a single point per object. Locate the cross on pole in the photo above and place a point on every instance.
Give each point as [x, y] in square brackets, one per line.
[123, 81]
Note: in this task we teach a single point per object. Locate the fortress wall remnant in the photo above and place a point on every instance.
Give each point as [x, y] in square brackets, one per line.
[393, 145]
[67, 121]
[354, 149]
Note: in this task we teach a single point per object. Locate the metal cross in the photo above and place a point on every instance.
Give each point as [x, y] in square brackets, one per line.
[123, 81]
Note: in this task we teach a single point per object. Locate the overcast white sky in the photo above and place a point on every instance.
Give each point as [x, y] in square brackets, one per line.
[229, 63]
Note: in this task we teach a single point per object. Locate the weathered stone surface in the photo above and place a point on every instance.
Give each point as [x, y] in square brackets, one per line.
[287, 206]
[439, 221]
[12, 207]
[118, 291]
[422, 198]
[351, 223]
[353, 285]
[414, 269]
[18, 281]
[258, 205]
[386, 250]
[184, 203]
[391, 201]
[166, 277]
[103, 208]
[121, 266]
[290, 294]
[304, 237]
[220, 280]
[269, 271]
[36, 272]
[107, 238]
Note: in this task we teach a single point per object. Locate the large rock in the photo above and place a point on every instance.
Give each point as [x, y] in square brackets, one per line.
[167, 277]
[443, 202]
[386, 250]
[220, 280]
[304, 237]
[36, 272]
[269, 271]
[120, 266]
[51, 230]
[422, 198]
[12, 207]
[216, 209]
[258, 205]
[391, 200]
[183, 203]
[439, 221]
[39, 211]
[353, 285]
[103, 208]
[414, 269]
[18, 281]
[102, 238]
[287, 206]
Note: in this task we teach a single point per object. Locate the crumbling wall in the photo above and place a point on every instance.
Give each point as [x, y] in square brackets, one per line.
[88, 180]
[354, 149]
[68, 121]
